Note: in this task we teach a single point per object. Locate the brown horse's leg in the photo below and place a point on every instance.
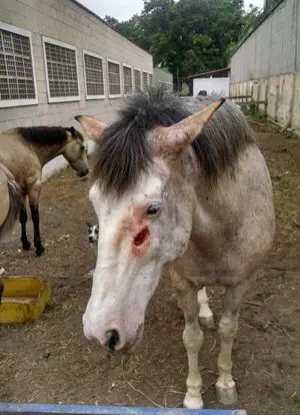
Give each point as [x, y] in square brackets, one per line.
[36, 227]
[23, 219]
[228, 327]
[34, 207]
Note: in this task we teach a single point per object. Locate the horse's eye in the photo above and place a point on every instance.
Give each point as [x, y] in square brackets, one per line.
[153, 209]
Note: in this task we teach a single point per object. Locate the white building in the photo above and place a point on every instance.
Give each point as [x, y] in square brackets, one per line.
[212, 82]
[58, 59]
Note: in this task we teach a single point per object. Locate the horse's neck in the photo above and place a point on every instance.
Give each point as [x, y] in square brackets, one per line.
[46, 153]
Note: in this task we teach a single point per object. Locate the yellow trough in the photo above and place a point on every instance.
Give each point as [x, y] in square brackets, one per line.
[23, 299]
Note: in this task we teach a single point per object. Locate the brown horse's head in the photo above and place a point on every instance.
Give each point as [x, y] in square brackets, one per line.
[75, 152]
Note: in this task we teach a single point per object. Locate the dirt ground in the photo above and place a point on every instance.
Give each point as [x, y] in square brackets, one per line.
[50, 361]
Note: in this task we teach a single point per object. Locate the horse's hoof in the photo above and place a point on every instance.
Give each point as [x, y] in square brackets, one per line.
[40, 250]
[192, 402]
[226, 396]
[26, 246]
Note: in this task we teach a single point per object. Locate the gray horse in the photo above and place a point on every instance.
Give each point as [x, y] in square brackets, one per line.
[192, 192]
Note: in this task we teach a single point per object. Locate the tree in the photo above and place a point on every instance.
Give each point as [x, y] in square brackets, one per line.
[188, 36]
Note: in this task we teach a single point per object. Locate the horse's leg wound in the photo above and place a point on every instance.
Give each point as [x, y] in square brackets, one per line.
[192, 339]
[205, 314]
[23, 219]
[228, 327]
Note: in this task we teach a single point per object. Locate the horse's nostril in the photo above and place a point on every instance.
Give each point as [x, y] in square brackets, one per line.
[113, 339]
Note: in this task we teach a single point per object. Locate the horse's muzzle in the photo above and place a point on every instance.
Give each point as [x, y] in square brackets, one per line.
[82, 173]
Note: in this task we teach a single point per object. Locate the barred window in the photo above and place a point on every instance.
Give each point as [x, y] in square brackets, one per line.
[61, 70]
[150, 79]
[114, 82]
[137, 79]
[145, 80]
[127, 75]
[17, 79]
[94, 82]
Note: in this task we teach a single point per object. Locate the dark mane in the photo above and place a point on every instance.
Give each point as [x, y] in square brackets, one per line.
[124, 152]
[46, 135]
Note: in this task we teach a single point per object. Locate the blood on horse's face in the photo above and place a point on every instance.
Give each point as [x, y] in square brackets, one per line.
[133, 245]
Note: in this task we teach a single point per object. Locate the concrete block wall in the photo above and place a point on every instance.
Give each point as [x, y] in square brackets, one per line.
[66, 21]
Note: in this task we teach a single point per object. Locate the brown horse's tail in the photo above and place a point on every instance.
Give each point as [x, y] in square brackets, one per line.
[15, 200]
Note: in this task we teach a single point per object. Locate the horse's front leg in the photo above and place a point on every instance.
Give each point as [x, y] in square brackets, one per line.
[228, 327]
[23, 220]
[34, 196]
[206, 316]
[192, 339]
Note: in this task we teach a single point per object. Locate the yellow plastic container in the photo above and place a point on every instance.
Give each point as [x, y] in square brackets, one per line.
[23, 299]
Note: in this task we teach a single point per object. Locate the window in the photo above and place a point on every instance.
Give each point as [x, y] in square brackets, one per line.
[145, 80]
[150, 79]
[114, 81]
[17, 77]
[137, 79]
[93, 72]
[127, 75]
[61, 71]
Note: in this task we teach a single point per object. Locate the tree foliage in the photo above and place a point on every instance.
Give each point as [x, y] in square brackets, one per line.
[188, 36]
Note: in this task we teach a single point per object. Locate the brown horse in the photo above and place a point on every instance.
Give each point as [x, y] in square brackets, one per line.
[24, 151]
[192, 192]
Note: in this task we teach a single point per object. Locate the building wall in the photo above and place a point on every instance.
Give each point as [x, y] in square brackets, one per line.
[66, 21]
[218, 86]
[267, 64]
[163, 77]
[273, 48]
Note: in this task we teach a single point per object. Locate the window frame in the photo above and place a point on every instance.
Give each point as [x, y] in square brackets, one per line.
[26, 101]
[52, 41]
[118, 63]
[132, 79]
[140, 71]
[95, 55]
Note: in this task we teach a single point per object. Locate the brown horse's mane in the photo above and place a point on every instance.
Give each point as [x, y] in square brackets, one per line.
[48, 135]
[124, 152]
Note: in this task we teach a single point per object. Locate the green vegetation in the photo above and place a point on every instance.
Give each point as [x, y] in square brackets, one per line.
[252, 110]
[188, 36]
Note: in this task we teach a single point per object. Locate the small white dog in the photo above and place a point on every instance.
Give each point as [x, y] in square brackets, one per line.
[93, 234]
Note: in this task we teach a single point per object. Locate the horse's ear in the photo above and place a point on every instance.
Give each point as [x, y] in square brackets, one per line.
[71, 130]
[91, 126]
[172, 140]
